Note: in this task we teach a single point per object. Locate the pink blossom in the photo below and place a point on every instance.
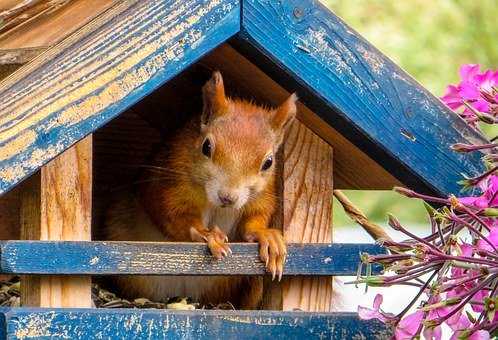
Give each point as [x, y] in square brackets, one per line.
[408, 326]
[432, 333]
[492, 237]
[488, 197]
[458, 322]
[375, 313]
[487, 80]
[479, 297]
[475, 89]
[435, 333]
[478, 335]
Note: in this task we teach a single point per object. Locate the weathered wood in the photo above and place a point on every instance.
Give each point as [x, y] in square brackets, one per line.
[59, 208]
[98, 72]
[9, 215]
[307, 212]
[30, 227]
[48, 23]
[19, 56]
[359, 91]
[353, 169]
[29, 323]
[109, 258]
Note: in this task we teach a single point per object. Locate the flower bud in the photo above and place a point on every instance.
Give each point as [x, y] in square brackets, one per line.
[393, 222]
[490, 212]
[404, 191]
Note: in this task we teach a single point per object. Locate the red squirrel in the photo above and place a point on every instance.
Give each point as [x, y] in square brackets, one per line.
[213, 182]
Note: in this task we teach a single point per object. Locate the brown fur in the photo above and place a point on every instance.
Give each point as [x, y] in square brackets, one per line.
[178, 200]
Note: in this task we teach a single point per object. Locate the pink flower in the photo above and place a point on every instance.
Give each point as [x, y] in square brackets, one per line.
[479, 297]
[435, 332]
[432, 333]
[487, 80]
[479, 335]
[475, 89]
[489, 196]
[375, 313]
[492, 237]
[408, 326]
[458, 322]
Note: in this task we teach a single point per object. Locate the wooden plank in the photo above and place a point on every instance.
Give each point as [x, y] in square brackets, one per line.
[353, 169]
[26, 323]
[307, 212]
[59, 208]
[19, 55]
[98, 72]
[49, 22]
[109, 258]
[359, 91]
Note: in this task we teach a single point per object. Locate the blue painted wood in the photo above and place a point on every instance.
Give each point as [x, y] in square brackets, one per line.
[27, 323]
[98, 72]
[359, 91]
[96, 258]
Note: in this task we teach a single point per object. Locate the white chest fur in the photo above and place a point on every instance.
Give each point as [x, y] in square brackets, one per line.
[225, 218]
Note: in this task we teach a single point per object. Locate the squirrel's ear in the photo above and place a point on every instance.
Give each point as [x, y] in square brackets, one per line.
[213, 95]
[285, 113]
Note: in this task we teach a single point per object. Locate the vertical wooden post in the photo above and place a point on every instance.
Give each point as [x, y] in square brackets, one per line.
[56, 205]
[307, 211]
[307, 187]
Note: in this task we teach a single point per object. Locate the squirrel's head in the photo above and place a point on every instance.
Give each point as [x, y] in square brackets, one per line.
[238, 144]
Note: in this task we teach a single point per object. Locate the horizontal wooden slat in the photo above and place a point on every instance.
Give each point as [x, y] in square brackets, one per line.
[359, 91]
[28, 323]
[98, 72]
[110, 258]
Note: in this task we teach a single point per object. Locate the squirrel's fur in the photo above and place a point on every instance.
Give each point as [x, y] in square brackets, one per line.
[209, 183]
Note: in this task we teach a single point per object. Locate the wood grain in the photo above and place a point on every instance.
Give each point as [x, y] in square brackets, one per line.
[360, 92]
[17, 323]
[353, 169]
[99, 71]
[307, 211]
[58, 207]
[149, 258]
[43, 29]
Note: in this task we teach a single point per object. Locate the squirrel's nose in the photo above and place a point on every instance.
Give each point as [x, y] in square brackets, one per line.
[227, 199]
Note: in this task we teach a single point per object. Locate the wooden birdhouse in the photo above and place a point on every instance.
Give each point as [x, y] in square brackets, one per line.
[78, 120]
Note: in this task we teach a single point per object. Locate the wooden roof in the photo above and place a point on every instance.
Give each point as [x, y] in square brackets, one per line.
[134, 47]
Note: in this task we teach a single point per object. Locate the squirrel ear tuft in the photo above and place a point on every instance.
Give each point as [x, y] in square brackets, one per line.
[213, 95]
[285, 113]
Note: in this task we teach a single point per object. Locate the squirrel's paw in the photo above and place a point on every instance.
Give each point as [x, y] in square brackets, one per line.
[216, 240]
[272, 250]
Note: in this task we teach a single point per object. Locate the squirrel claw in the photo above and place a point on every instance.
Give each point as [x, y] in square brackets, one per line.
[216, 241]
[272, 250]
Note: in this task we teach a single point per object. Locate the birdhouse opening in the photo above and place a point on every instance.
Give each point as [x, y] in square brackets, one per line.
[315, 160]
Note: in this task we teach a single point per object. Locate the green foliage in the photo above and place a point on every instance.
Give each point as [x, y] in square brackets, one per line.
[430, 40]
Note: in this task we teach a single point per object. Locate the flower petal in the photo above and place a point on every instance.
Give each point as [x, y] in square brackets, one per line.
[377, 301]
[408, 326]
[480, 335]
[432, 333]
[469, 71]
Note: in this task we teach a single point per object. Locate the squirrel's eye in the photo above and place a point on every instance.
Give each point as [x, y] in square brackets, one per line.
[206, 147]
[267, 163]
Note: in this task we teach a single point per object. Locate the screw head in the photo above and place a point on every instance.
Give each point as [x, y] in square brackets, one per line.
[298, 12]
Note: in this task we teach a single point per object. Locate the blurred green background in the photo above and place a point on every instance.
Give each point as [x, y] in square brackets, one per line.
[430, 40]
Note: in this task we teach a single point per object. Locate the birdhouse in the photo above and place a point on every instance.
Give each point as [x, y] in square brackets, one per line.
[80, 119]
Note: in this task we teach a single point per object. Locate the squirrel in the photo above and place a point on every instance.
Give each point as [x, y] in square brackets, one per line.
[212, 182]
